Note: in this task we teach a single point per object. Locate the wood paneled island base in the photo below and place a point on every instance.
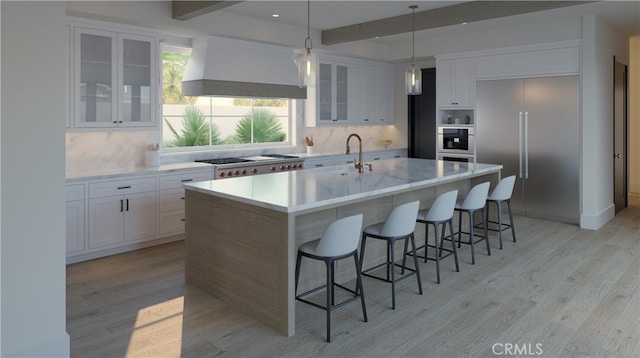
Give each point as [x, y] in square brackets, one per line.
[242, 234]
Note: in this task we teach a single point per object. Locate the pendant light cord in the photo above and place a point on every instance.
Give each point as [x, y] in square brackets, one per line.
[413, 33]
[308, 44]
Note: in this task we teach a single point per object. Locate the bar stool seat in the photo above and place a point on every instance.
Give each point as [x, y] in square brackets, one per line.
[400, 225]
[340, 240]
[502, 194]
[474, 202]
[439, 215]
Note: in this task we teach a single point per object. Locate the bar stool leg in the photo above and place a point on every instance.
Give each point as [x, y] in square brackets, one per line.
[363, 241]
[415, 262]
[426, 240]
[438, 252]
[359, 289]
[298, 260]
[513, 228]
[333, 279]
[393, 273]
[486, 231]
[455, 253]
[473, 255]
[329, 265]
[498, 204]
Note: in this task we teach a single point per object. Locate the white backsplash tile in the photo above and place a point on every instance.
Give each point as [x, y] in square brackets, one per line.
[107, 150]
[332, 140]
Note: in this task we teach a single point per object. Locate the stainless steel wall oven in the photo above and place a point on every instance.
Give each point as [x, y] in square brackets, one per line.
[456, 140]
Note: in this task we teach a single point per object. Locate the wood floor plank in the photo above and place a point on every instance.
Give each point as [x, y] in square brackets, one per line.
[575, 292]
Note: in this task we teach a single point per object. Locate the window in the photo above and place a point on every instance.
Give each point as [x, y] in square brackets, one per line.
[213, 122]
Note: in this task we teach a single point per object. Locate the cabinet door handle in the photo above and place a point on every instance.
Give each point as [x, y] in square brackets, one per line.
[127, 204]
[319, 165]
[186, 180]
[121, 206]
[182, 198]
[124, 187]
[182, 219]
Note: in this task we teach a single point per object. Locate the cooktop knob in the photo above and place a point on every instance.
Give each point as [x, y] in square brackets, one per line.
[254, 171]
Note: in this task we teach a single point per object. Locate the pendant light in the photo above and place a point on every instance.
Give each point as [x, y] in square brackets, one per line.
[304, 64]
[413, 77]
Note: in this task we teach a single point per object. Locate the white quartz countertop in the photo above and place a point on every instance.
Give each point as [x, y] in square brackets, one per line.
[307, 189]
[132, 171]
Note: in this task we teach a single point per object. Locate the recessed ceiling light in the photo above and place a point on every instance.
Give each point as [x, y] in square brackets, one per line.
[275, 16]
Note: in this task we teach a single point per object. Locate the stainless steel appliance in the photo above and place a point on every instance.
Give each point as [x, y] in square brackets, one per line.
[532, 127]
[455, 157]
[457, 140]
[267, 163]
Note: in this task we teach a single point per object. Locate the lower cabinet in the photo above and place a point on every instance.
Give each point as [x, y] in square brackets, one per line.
[104, 217]
[75, 218]
[171, 200]
[127, 218]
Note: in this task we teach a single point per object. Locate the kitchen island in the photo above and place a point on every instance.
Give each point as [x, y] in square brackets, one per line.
[242, 234]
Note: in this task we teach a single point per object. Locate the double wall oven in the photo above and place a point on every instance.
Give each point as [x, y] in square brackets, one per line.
[262, 164]
[456, 143]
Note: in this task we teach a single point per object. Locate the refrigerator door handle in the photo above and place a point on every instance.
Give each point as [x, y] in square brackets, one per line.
[526, 145]
[520, 138]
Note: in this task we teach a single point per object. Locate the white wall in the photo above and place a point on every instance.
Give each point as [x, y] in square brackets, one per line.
[32, 187]
[600, 44]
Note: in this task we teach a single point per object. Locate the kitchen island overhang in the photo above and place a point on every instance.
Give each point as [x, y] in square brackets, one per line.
[242, 234]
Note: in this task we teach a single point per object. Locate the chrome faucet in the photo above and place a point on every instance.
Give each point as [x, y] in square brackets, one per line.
[359, 164]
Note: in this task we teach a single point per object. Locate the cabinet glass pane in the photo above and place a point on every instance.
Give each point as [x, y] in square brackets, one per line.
[96, 95]
[324, 92]
[341, 92]
[136, 95]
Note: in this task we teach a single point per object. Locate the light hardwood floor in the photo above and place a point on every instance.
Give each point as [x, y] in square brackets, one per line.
[558, 292]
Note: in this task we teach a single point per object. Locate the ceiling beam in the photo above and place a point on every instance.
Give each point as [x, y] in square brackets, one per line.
[185, 9]
[444, 16]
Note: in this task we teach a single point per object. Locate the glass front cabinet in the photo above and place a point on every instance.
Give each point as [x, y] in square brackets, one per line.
[114, 79]
[332, 96]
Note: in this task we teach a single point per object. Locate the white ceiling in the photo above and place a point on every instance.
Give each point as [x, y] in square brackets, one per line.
[624, 15]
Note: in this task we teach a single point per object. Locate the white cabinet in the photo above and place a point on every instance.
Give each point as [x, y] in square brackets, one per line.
[171, 200]
[348, 91]
[75, 218]
[455, 82]
[373, 99]
[122, 211]
[332, 99]
[114, 79]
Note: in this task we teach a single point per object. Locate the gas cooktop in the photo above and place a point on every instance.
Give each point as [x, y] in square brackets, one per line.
[224, 160]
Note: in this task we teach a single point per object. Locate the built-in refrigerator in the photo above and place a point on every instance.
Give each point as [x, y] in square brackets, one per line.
[532, 127]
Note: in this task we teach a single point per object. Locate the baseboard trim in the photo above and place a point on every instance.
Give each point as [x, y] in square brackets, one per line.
[58, 346]
[596, 221]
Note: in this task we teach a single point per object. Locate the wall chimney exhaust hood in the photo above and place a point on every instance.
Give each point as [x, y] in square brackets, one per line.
[236, 68]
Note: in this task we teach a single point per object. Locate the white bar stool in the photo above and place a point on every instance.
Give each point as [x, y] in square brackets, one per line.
[474, 202]
[439, 215]
[340, 240]
[400, 225]
[502, 194]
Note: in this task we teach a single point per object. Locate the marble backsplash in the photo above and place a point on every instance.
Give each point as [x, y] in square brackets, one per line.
[115, 150]
[105, 150]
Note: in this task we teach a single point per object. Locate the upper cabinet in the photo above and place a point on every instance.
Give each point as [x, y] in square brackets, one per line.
[114, 79]
[455, 82]
[332, 91]
[350, 92]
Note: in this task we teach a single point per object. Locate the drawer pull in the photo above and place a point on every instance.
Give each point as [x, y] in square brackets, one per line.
[376, 158]
[182, 198]
[124, 187]
[186, 180]
[182, 219]
[319, 165]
